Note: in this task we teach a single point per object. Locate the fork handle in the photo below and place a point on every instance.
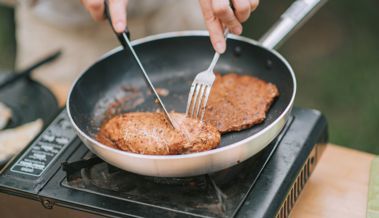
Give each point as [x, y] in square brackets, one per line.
[214, 61]
[217, 55]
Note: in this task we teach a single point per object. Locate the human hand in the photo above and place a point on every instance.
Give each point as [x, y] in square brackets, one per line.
[219, 14]
[117, 10]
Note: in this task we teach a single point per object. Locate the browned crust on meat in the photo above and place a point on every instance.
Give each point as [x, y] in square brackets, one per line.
[149, 133]
[199, 136]
[238, 102]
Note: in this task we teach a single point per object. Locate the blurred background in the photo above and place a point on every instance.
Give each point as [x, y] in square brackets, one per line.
[335, 56]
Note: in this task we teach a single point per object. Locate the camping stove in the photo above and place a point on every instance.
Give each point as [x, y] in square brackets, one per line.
[57, 176]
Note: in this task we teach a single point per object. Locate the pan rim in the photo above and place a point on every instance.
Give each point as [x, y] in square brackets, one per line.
[191, 155]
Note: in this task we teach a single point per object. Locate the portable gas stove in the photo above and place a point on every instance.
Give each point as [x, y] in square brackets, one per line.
[58, 171]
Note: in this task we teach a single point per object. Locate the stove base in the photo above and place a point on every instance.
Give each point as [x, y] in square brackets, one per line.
[272, 192]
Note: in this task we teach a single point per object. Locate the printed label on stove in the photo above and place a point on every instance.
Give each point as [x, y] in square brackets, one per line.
[48, 146]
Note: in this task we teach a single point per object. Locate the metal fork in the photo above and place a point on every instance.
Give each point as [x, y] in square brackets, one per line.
[201, 88]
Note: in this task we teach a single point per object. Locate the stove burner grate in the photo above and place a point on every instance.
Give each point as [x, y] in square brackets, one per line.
[214, 195]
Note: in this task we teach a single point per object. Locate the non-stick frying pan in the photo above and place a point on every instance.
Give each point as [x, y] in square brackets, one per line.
[172, 60]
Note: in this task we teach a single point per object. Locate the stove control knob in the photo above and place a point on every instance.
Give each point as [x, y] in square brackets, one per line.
[47, 203]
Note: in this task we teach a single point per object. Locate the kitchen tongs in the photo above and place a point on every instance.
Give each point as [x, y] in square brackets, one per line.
[125, 42]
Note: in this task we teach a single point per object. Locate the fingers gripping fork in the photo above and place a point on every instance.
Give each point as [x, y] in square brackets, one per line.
[201, 89]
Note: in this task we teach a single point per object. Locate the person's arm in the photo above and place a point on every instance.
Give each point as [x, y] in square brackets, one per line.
[219, 14]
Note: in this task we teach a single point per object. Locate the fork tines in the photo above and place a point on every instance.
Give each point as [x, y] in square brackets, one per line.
[201, 88]
[198, 97]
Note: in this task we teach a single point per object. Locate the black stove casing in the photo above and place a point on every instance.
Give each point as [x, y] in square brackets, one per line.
[290, 162]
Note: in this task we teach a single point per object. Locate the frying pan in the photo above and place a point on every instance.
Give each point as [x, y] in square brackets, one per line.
[172, 61]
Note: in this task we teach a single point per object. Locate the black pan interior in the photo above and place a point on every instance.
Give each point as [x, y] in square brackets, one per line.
[172, 64]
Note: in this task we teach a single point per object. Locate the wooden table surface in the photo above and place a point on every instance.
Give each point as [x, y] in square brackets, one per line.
[338, 186]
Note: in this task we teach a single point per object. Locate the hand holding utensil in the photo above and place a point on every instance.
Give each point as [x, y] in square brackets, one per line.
[201, 89]
[124, 40]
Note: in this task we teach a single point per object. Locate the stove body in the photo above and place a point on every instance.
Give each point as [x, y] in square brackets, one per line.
[57, 176]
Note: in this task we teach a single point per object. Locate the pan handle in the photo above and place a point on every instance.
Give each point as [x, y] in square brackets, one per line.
[297, 14]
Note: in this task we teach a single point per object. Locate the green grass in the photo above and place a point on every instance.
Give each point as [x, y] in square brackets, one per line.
[344, 87]
[7, 39]
[336, 60]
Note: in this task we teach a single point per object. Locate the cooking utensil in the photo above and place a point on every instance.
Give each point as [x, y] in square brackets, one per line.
[166, 56]
[124, 40]
[201, 88]
[25, 73]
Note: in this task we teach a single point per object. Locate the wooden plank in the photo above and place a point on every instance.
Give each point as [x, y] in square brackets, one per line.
[338, 187]
[373, 188]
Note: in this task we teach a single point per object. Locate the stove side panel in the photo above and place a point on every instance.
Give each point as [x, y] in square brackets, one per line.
[269, 194]
[29, 171]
